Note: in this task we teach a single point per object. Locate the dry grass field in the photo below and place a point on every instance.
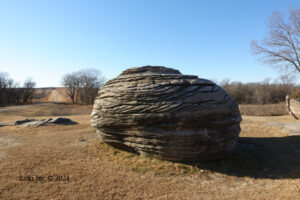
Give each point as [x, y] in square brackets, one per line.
[263, 110]
[72, 163]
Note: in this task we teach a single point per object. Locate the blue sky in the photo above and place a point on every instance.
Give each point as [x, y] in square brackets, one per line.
[44, 39]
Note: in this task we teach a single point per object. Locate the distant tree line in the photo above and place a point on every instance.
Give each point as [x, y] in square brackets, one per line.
[11, 93]
[259, 92]
[82, 86]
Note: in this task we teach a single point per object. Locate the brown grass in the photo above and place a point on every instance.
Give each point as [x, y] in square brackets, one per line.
[266, 165]
[263, 110]
[47, 109]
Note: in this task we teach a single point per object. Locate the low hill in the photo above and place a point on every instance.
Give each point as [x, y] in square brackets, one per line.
[58, 95]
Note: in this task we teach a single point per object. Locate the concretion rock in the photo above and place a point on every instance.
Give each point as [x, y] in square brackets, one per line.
[293, 107]
[157, 111]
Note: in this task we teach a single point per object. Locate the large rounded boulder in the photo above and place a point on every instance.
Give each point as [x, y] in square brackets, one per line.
[159, 112]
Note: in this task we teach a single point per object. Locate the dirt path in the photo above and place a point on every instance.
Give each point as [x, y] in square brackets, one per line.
[55, 96]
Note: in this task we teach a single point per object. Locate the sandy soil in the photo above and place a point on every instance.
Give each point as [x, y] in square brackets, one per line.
[72, 163]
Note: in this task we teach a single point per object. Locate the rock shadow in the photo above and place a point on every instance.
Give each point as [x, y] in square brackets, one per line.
[273, 158]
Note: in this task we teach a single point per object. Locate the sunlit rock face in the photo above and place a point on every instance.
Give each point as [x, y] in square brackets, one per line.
[159, 112]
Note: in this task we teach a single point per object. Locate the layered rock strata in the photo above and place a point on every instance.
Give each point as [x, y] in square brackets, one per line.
[157, 111]
[292, 107]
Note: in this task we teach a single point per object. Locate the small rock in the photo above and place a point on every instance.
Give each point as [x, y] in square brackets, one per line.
[4, 124]
[19, 122]
[44, 122]
[60, 120]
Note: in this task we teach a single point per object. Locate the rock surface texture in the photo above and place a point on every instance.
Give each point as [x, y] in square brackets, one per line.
[157, 111]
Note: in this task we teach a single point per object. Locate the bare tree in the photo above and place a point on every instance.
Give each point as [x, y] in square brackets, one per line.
[10, 93]
[281, 47]
[259, 92]
[91, 81]
[3, 86]
[71, 82]
[83, 85]
[28, 89]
